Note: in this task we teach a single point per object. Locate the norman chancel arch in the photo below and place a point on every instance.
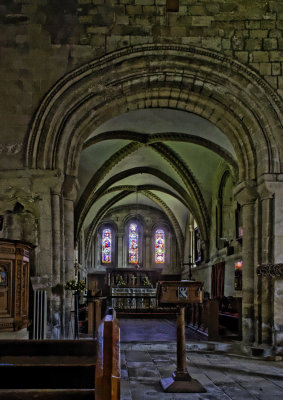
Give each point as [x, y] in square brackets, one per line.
[149, 132]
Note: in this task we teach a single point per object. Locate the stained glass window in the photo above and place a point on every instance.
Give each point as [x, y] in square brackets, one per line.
[133, 244]
[106, 246]
[160, 246]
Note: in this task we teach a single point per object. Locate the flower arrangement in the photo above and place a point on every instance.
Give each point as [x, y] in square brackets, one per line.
[76, 286]
[146, 282]
[121, 282]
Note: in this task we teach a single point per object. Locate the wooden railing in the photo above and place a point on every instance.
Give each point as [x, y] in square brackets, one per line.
[62, 369]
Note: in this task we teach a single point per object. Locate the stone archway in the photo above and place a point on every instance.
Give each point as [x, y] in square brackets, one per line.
[221, 90]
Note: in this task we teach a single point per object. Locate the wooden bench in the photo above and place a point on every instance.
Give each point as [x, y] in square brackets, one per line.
[62, 369]
[230, 316]
[216, 318]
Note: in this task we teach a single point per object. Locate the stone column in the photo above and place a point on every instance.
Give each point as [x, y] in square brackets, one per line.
[148, 252]
[120, 247]
[188, 247]
[246, 195]
[265, 284]
[56, 237]
[274, 184]
[57, 289]
[69, 195]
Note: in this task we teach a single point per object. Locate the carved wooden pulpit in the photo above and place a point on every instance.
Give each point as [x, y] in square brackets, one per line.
[14, 284]
[180, 293]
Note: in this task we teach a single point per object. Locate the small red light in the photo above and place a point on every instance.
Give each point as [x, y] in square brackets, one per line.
[239, 265]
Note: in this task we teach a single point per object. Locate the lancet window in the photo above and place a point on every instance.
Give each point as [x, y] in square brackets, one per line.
[106, 246]
[160, 246]
[133, 244]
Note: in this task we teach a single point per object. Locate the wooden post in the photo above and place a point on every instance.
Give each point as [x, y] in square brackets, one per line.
[181, 293]
[181, 381]
[76, 318]
[107, 372]
[181, 341]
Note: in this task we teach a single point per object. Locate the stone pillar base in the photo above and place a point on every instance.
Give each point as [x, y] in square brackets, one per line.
[183, 383]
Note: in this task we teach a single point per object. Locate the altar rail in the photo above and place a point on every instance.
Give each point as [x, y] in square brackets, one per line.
[62, 369]
[216, 318]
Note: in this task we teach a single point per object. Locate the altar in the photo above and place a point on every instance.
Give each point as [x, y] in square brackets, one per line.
[133, 298]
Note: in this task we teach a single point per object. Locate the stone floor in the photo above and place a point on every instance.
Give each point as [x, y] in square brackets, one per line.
[148, 353]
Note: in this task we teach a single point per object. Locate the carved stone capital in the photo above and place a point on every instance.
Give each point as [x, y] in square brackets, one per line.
[271, 270]
[246, 192]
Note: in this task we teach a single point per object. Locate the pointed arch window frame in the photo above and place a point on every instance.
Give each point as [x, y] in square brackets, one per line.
[159, 234]
[133, 237]
[110, 247]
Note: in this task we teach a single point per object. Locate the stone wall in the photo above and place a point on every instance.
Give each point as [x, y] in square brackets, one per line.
[43, 40]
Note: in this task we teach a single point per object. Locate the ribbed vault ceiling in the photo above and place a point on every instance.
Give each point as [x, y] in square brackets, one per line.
[160, 158]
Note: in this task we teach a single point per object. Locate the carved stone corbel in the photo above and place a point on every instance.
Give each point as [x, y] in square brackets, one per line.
[270, 270]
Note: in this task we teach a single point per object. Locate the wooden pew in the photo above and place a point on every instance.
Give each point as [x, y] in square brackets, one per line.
[203, 318]
[216, 318]
[62, 369]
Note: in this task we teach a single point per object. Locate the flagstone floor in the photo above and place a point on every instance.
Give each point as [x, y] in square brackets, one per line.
[148, 353]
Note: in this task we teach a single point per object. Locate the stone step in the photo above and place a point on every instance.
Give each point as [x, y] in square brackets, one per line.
[235, 348]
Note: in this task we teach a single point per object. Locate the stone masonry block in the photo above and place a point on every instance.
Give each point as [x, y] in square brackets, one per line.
[122, 20]
[258, 33]
[194, 41]
[253, 44]
[268, 24]
[280, 44]
[98, 41]
[242, 56]
[276, 55]
[197, 10]
[212, 8]
[211, 43]
[237, 43]
[145, 2]
[275, 33]
[134, 40]
[276, 68]
[183, 9]
[255, 65]
[142, 21]
[270, 44]
[260, 56]
[202, 21]
[178, 31]
[252, 24]
[280, 82]
[85, 19]
[272, 80]
[98, 30]
[226, 44]
[133, 10]
[119, 10]
[149, 10]
[265, 68]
